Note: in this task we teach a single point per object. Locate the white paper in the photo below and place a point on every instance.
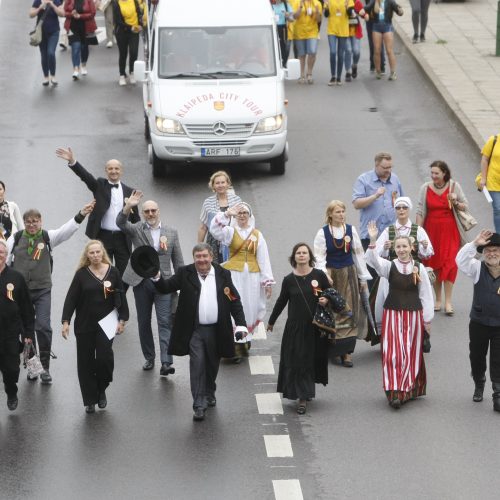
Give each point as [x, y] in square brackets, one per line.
[487, 195]
[109, 324]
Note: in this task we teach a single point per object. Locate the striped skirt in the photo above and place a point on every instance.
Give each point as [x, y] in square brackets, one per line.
[402, 356]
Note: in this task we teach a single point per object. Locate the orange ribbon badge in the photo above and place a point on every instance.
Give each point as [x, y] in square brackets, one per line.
[416, 275]
[316, 289]
[10, 289]
[163, 243]
[228, 294]
[38, 252]
[107, 288]
[347, 243]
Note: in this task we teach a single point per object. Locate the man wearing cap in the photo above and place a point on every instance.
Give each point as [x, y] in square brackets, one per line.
[202, 327]
[165, 241]
[110, 195]
[17, 318]
[484, 325]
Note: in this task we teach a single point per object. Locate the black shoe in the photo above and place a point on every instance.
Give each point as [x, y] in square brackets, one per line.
[372, 69]
[237, 360]
[45, 377]
[102, 402]
[415, 38]
[166, 369]
[496, 396]
[12, 403]
[354, 70]
[348, 77]
[332, 81]
[148, 365]
[422, 37]
[395, 403]
[478, 390]
[211, 401]
[199, 415]
[90, 409]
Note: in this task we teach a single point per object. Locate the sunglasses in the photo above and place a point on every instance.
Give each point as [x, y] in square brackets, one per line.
[150, 211]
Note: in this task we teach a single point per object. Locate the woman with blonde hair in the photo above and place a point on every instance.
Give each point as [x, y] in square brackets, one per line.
[222, 199]
[96, 292]
[339, 253]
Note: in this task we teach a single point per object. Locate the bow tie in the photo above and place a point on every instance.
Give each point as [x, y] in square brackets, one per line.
[114, 185]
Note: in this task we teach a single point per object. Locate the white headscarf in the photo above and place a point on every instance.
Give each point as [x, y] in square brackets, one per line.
[403, 200]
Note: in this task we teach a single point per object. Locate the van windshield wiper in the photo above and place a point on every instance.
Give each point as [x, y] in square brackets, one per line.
[191, 75]
[233, 72]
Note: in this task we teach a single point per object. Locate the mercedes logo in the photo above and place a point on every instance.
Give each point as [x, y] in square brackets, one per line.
[219, 128]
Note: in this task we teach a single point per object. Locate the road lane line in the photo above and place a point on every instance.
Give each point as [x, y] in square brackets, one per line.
[261, 365]
[260, 334]
[278, 446]
[269, 404]
[287, 489]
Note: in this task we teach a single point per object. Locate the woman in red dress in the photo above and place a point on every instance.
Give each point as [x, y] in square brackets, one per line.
[438, 201]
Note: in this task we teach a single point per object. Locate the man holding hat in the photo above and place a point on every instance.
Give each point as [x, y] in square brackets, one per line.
[163, 239]
[202, 326]
[484, 326]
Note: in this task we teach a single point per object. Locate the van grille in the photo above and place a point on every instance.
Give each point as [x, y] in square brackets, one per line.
[207, 129]
[213, 144]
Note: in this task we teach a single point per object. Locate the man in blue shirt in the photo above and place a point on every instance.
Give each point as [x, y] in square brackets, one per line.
[374, 193]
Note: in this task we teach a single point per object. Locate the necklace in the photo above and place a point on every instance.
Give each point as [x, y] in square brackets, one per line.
[439, 187]
[341, 238]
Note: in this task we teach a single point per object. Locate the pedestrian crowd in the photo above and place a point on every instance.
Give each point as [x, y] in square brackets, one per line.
[382, 283]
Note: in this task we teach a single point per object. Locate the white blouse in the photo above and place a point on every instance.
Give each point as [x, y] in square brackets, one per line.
[358, 254]
[223, 232]
[467, 262]
[383, 268]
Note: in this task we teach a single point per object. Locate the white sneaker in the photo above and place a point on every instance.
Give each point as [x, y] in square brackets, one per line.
[109, 44]
[83, 71]
[122, 82]
[131, 79]
[75, 75]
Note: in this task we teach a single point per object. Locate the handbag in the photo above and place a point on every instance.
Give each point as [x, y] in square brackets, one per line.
[33, 363]
[91, 39]
[36, 34]
[466, 219]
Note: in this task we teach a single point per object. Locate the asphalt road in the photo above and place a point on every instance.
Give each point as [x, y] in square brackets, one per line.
[350, 444]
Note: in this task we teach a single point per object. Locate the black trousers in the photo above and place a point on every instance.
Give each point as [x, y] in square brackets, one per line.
[282, 35]
[9, 366]
[95, 363]
[128, 44]
[480, 338]
[203, 364]
[115, 243]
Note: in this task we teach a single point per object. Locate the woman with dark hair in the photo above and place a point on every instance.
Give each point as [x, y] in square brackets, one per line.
[304, 352]
[10, 216]
[438, 201]
[95, 292]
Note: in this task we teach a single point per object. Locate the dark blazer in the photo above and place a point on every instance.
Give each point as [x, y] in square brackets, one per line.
[187, 281]
[101, 189]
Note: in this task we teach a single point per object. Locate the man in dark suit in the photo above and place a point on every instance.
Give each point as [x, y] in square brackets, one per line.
[110, 195]
[202, 326]
[153, 233]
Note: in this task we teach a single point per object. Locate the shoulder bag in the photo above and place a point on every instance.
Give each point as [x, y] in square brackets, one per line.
[466, 219]
[36, 34]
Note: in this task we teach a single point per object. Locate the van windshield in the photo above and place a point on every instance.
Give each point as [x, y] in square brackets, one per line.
[233, 52]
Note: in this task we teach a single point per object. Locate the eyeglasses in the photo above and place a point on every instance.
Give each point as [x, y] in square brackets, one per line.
[150, 211]
[401, 208]
[242, 213]
[31, 222]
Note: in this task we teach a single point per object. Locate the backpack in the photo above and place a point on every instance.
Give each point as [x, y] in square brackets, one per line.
[46, 239]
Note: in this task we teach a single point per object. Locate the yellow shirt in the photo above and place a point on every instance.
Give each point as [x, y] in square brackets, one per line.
[129, 12]
[306, 26]
[493, 178]
[338, 22]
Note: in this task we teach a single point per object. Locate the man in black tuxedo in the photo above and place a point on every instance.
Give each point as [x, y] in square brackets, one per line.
[202, 326]
[110, 195]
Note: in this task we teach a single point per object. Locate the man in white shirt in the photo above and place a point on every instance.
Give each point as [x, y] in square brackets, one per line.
[202, 327]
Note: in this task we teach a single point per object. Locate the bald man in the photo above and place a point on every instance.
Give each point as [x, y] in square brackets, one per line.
[110, 195]
[164, 239]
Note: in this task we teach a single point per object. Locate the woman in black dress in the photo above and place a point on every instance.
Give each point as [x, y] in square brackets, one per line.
[96, 290]
[304, 353]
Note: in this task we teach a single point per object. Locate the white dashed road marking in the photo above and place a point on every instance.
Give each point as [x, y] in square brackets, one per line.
[260, 334]
[287, 489]
[278, 446]
[261, 365]
[269, 404]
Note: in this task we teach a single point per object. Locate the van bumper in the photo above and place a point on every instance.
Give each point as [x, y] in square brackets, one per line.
[254, 148]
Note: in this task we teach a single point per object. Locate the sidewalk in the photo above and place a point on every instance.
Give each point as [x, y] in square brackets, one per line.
[459, 58]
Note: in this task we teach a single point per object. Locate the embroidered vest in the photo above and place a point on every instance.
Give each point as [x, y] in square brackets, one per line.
[336, 256]
[414, 248]
[243, 252]
[403, 292]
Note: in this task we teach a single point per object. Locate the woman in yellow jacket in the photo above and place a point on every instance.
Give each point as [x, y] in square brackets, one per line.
[338, 34]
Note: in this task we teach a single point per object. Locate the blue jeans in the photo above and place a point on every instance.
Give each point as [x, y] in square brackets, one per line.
[79, 53]
[496, 209]
[337, 49]
[48, 53]
[146, 295]
[352, 52]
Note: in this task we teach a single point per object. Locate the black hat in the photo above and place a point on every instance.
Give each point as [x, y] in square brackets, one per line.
[145, 261]
[494, 242]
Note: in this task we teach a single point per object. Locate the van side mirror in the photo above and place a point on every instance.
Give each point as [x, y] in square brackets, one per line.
[140, 71]
[292, 70]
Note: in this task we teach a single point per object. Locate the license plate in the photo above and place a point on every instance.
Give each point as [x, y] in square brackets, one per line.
[220, 151]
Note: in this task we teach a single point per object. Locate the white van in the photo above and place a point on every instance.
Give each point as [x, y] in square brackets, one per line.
[214, 84]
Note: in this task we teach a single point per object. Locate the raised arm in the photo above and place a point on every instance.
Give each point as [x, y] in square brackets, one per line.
[86, 177]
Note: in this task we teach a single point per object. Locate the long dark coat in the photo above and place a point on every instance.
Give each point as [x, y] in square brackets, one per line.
[187, 281]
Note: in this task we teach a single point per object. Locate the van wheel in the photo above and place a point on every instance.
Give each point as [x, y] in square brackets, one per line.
[147, 132]
[278, 164]
[158, 166]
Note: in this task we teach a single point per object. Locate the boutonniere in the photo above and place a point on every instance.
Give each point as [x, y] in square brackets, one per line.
[38, 252]
[347, 243]
[10, 289]
[107, 289]
[315, 286]
[228, 294]
[416, 275]
[163, 243]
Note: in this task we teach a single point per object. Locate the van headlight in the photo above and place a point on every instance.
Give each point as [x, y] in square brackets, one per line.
[269, 124]
[169, 126]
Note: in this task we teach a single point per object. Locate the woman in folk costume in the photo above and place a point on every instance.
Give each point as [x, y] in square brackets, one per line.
[408, 312]
[421, 246]
[249, 265]
[339, 253]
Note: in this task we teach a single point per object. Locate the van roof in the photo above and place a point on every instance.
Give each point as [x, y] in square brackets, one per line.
[173, 13]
